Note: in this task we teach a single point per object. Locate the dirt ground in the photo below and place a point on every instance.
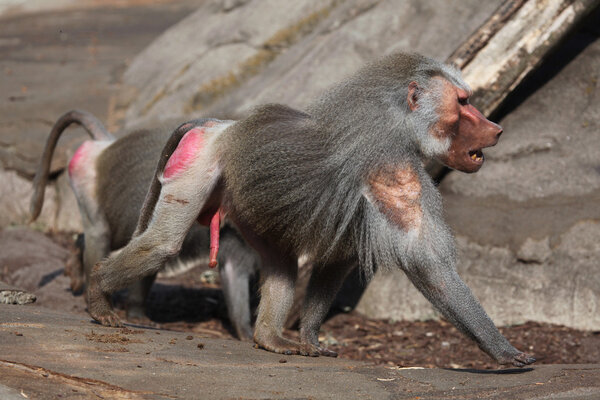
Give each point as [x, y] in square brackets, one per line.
[193, 302]
[421, 343]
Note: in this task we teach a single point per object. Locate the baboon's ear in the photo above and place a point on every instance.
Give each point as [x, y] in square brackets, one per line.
[413, 96]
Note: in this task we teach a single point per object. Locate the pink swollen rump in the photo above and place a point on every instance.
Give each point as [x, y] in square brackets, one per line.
[78, 157]
[185, 152]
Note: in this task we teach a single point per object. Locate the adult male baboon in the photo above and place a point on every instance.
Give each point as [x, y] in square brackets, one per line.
[342, 183]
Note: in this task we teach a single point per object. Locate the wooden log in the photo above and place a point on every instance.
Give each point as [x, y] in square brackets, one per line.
[512, 43]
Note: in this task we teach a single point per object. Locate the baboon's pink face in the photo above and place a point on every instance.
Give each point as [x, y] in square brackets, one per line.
[468, 130]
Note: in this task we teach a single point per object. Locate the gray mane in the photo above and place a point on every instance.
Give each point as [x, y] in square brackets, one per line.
[353, 129]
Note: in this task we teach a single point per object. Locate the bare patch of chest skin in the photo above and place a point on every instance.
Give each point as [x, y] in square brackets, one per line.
[396, 191]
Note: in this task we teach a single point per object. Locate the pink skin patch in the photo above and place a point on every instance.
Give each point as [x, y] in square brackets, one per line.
[78, 157]
[185, 152]
[181, 158]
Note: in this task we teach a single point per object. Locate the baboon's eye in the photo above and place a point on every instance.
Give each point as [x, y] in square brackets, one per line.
[463, 101]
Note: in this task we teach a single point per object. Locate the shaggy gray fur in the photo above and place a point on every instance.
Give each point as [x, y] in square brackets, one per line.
[327, 153]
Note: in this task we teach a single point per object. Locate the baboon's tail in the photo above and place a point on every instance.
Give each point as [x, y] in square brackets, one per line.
[83, 118]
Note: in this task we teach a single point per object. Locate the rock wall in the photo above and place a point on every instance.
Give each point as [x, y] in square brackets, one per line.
[231, 55]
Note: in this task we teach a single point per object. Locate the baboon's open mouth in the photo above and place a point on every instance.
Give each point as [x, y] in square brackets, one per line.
[476, 156]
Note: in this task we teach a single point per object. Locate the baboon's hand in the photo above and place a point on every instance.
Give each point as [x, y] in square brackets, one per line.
[518, 359]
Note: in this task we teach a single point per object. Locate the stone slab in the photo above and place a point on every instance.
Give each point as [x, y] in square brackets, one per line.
[12, 295]
[46, 353]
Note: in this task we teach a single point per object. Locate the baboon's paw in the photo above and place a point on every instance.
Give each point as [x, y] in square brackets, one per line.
[517, 358]
[278, 344]
[109, 319]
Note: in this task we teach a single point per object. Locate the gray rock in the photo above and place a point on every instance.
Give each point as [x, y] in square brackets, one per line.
[527, 224]
[218, 62]
[533, 250]
[14, 200]
[10, 394]
[35, 264]
[16, 297]
[12, 295]
[60, 211]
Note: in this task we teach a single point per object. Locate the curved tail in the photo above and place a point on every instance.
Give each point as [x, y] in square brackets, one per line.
[83, 118]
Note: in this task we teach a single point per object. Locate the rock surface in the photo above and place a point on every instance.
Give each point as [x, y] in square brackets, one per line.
[35, 264]
[224, 59]
[60, 211]
[13, 295]
[528, 224]
[48, 354]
